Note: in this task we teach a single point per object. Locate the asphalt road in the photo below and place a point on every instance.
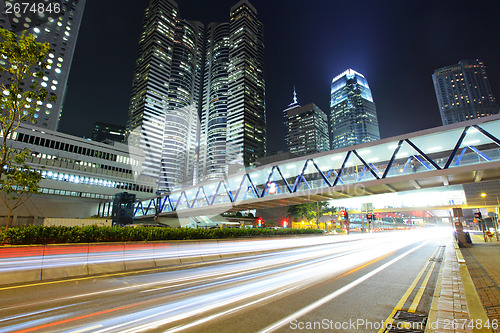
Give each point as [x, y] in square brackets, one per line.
[351, 286]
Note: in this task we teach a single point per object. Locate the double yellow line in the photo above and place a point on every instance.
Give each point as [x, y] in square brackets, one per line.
[418, 296]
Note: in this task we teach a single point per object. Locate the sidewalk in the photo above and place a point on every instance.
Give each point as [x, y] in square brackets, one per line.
[483, 263]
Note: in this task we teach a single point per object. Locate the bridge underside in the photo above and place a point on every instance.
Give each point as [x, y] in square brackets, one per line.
[469, 174]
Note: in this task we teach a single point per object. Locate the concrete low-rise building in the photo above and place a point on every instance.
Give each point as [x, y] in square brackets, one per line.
[77, 174]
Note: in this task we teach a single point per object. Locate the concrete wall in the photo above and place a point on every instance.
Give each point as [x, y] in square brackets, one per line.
[51, 221]
[40, 206]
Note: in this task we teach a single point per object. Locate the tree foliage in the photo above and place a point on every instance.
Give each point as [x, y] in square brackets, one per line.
[310, 210]
[22, 65]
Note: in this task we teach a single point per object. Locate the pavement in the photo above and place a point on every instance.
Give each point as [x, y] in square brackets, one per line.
[483, 263]
[467, 296]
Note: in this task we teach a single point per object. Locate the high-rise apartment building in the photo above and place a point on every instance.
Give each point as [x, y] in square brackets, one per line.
[306, 128]
[246, 111]
[463, 92]
[353, 117]
[58, 25]
[197, 100]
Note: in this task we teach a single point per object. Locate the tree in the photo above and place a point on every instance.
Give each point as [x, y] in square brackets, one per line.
[310, 210]
[22, 65]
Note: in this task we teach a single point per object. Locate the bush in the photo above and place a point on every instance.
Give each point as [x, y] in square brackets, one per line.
[93, 234]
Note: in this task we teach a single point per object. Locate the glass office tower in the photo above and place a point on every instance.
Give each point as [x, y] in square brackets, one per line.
[214, 109]
[463, 92]
[353, 117]
[307, 129]
[246, 111]
[197, 100]
[151, 83]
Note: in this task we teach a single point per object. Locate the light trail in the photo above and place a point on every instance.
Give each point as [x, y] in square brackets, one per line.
[182, 299]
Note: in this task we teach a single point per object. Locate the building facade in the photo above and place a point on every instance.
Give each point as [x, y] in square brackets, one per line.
[77, 174]
[246, 111]
[212, 162]
[197, 101]
[463, 92]
[181, 123]
[163, 112]
[60, 29]
[353, 117]
[306, 128]
[108, 132]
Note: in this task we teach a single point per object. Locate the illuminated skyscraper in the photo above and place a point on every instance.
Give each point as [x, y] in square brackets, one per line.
[463, 92]
[307, 128]
[233, 133]
[246, 111]
[58, 25]
[214, 109]
[179, 148]
[191, 125]
[151, 83]
[353, 117]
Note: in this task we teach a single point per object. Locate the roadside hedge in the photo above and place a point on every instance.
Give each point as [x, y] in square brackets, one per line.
[92, 234]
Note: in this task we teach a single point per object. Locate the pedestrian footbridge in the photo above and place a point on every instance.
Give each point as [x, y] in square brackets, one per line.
[461, 153]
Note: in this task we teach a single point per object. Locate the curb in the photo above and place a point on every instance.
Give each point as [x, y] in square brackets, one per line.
[476, 309]
[456, 317]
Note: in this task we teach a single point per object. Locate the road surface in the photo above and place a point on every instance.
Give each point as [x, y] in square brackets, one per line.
[349, 286]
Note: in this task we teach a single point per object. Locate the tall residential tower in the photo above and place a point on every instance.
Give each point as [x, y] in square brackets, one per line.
[353, 117]
[57, 25]
[463, 92]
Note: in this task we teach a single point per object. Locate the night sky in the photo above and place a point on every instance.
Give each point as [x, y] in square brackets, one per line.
[395, 44]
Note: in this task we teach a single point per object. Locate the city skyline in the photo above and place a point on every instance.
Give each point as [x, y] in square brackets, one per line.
[380, 47]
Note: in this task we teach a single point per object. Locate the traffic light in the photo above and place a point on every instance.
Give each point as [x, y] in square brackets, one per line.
[260, 222]
[343, 215]
[478, 215]
[369, 217]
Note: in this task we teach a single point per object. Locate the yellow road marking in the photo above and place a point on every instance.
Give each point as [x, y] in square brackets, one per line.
[407, 294]
[418, 296]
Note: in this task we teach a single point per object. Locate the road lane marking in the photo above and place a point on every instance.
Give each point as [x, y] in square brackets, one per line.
[407, 294]
[221, 314]
[420, 292]
[338, 292]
